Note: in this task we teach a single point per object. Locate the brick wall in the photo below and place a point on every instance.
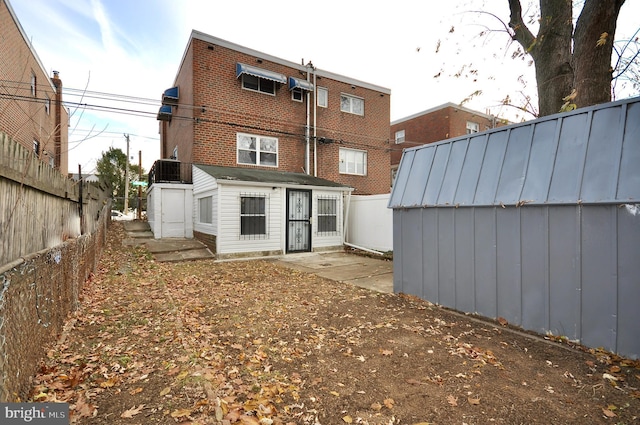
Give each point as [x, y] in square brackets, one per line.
[23, 114]
[436, 125]
[207, 77]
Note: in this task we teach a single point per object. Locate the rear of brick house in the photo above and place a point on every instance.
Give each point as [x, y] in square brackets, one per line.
[336, 129]
[31, 108]
[290, 139]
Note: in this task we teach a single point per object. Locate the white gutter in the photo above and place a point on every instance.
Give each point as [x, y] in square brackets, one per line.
[307, 153]
[315, 116]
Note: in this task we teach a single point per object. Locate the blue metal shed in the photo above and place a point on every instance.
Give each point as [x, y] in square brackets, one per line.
[538, 223]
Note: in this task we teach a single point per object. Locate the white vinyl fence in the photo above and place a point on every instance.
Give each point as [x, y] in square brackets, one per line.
[370, 222]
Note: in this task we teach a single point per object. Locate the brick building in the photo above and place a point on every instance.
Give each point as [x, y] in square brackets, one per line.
[236, 107]
[31, 110]
[436, 124]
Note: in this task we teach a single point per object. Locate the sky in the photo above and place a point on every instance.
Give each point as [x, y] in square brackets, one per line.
[122, 55]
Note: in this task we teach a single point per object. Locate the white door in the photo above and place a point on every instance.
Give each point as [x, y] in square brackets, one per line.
[173, 214]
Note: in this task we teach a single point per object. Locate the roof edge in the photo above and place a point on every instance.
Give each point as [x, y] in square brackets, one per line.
[29, 45]
[239, 48]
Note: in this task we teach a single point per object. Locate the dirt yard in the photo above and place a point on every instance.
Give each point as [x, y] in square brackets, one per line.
[254, 343]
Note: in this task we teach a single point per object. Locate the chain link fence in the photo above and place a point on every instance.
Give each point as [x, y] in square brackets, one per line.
[37, 293]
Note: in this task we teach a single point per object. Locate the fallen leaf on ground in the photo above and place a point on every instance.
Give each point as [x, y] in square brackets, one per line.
[452, 400]
[386, 352]
[376, 406]
[180, 412]
[608, 413]
[132, 412]
[389, 402]
[473, 401]
[348, 419]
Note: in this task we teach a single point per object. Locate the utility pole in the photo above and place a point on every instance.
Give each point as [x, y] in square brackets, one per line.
[126, 179]
[139, 186]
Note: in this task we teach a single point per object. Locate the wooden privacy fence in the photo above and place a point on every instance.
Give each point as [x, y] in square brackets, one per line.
[39, 207]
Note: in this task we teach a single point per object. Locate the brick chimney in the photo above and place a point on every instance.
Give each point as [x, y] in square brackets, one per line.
[57, 136]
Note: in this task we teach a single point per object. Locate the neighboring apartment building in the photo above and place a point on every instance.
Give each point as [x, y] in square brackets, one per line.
[435, 124]
[31, 110]
[233, 106]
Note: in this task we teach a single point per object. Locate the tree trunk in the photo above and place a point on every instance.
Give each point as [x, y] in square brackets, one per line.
[565, 60]
[591, 61]
[550, 50]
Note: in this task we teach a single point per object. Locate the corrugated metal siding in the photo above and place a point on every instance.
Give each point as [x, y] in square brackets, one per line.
[588, 156]
[538, 223]
[568, 270]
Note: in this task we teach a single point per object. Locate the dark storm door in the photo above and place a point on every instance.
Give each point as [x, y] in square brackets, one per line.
[298, 220]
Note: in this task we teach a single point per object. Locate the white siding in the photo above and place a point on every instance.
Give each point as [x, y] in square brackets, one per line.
[324, 240]
[205, 185]
[229, 239]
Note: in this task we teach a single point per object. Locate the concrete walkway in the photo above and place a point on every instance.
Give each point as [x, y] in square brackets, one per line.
[367, 272]
[166, 249]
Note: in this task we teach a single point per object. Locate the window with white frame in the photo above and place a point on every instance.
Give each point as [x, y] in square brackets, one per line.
[47, 104]
[351, 104]
[175, 153]
[33, 84]
[257, 150]
[297, 95]
[262, 85]
[399, 136]
[205, 210]
[472, 127]
[353, 161]
[253, 215]
[322, 94]
[327, 215]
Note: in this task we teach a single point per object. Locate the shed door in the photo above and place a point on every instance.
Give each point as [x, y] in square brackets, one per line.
[172, 212]
[298, 220]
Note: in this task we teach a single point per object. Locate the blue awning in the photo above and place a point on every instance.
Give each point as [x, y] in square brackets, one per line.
[164, 114]
[170, 96]
[295, 83]
[242, 68]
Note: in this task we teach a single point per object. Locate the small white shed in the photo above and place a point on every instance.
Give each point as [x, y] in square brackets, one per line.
[252, 212]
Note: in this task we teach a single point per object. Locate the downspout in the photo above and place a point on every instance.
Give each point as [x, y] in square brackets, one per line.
[315, 138]
[345, 225]
[307, 153]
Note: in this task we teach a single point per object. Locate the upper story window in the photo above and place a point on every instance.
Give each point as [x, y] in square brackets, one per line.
[257, 150]
[36, 148]
[351, 104]
[472, 127]
[259, 79]
[353, 162]
[399, 136]
[33, 84]
[297, 95]
[323, 97]
[47, 104]
[262, 85]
